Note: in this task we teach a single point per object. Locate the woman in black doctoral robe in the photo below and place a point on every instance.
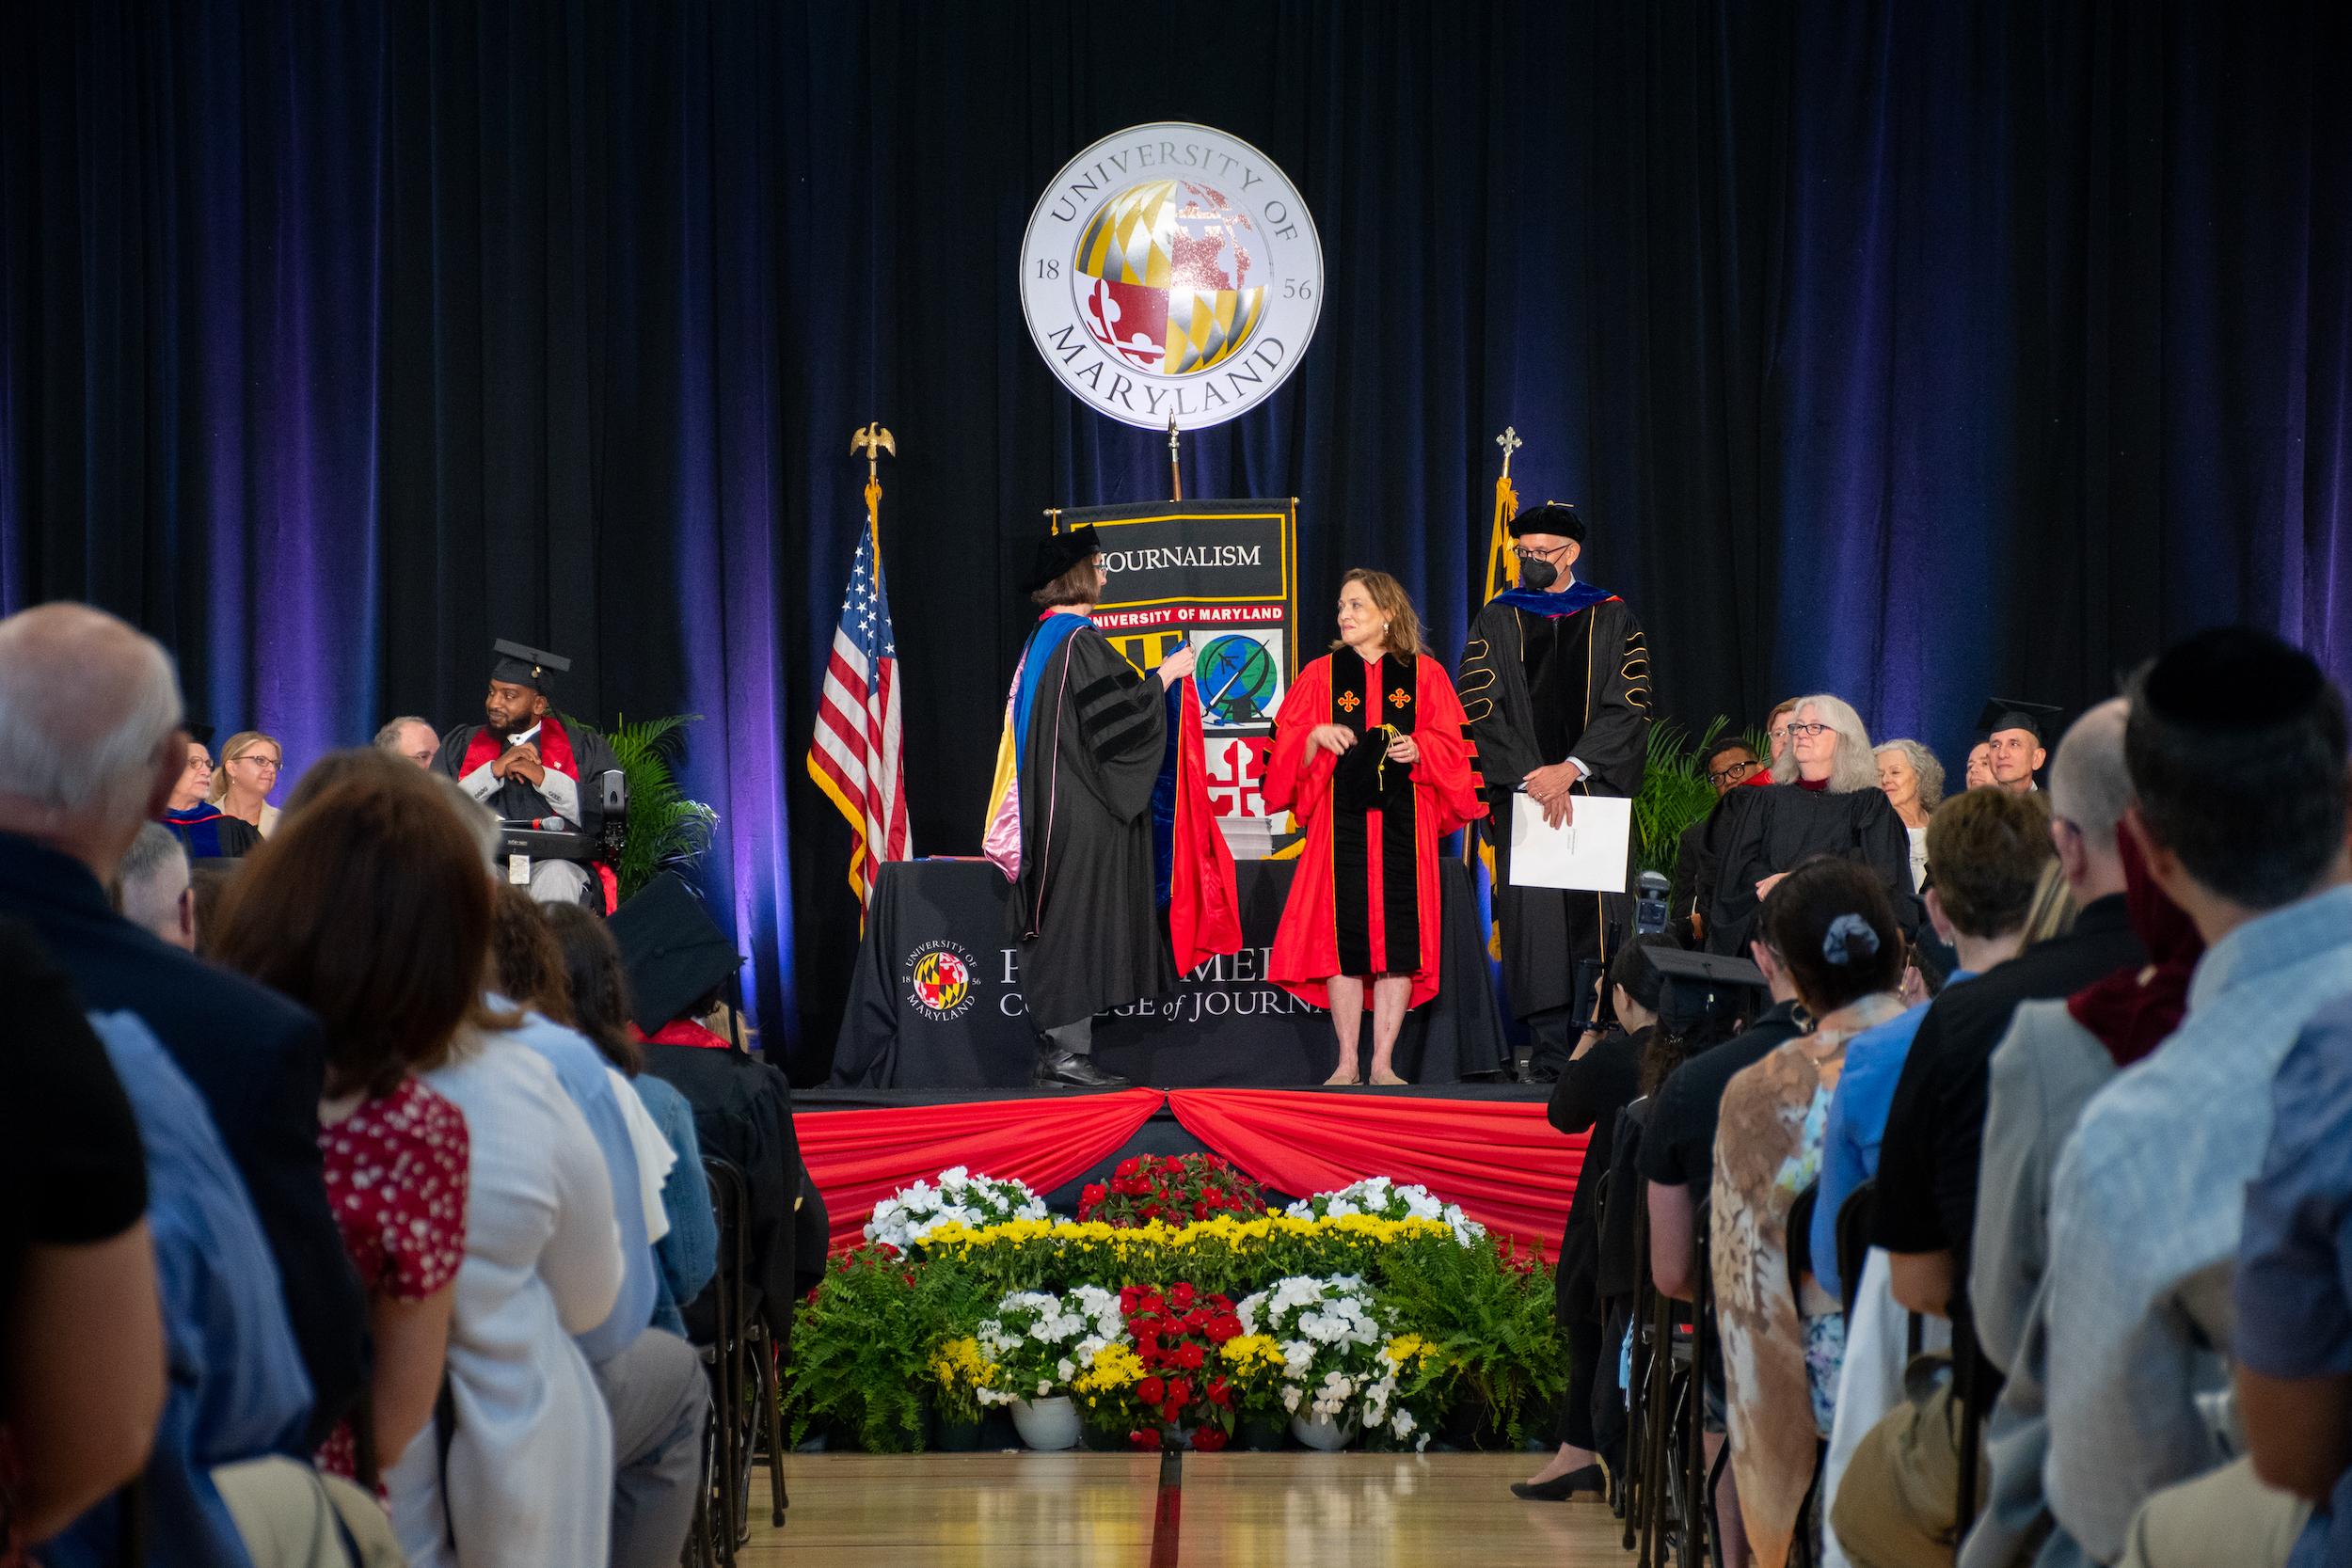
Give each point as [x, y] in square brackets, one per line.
[1825, 799]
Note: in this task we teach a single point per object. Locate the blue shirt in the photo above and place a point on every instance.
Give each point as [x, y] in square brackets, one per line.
[2294, 1284]
[689, 1254]
[2146, 1212]
[581, 1068]
[236, 1388]
[1857, 1124]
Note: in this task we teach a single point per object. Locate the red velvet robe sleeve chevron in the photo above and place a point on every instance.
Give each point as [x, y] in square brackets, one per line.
[1446, 795]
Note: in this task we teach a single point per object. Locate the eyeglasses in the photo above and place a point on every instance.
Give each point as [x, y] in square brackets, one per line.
[1526, 554]
[1734, 773]
[267, 765]
[1805, 732]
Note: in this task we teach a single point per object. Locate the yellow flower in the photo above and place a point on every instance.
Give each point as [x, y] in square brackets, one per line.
[1114, 1366]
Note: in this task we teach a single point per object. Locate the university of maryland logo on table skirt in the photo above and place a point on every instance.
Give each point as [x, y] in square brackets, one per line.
[942, 980]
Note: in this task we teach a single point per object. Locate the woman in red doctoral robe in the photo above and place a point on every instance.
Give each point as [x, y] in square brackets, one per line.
[1370, 752]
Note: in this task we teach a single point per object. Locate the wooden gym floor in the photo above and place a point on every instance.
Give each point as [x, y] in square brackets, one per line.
[1225, 1511]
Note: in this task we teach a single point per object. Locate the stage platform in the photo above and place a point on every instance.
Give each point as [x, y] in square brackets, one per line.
[1487, 1148]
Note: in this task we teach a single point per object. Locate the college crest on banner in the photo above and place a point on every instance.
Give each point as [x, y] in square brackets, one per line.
[1221, 575]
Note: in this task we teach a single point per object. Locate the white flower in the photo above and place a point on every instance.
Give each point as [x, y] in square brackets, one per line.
[1045, 1387]
[1063, 1367]
[1290, 1397]
[1402, 1423]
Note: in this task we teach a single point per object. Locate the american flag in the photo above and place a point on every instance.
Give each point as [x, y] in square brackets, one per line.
[855, 757]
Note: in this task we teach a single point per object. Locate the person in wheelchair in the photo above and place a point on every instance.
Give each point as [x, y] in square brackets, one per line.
[541, 775]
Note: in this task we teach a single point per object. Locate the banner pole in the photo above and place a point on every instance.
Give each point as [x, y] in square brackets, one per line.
[1175, 468]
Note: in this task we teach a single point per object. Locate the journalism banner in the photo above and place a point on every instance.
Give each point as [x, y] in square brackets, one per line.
[1222, 575]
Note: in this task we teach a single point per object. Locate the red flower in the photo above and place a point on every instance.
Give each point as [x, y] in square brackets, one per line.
[1093, 1194]
[1220, 1392]
[1208, 1439]
[1147, 1344]
[1151, 1390]
[1189, 1357]
[1181, 1296]
[1200, 1211]
[1128, 1166]
[1143, 1439]
[1223, 1327]
[1128, 1296]
[1180, 1392]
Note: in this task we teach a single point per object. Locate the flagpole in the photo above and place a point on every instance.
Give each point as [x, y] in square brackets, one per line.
[873, 440]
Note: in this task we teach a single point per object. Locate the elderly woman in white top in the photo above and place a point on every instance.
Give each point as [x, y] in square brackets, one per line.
[1913, 783]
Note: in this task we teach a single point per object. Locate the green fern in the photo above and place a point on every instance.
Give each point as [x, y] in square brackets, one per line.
[1675, 792]
[667, 830]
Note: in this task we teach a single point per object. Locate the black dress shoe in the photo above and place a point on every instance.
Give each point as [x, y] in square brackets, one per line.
[1559, 1489]
[1078, 1073]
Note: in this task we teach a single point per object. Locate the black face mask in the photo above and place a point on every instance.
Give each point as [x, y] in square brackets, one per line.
[1537, 573]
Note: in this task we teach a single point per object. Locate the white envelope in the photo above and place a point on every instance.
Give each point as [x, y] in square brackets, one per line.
[1587, 854]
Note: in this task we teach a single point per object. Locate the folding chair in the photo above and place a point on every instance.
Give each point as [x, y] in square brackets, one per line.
[726, 1510]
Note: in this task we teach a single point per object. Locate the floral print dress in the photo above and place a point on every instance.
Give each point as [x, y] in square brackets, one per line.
[1780, 1352]
[396, 1178]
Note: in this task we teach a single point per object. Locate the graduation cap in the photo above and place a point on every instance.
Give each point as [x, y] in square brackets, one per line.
[201, 733]
[1699, 987]
[1552, 518]
[674, 952]
[2007, 713]
[531, 666]
[1058, 552]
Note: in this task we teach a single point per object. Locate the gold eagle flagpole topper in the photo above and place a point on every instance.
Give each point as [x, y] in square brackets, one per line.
[873, 440]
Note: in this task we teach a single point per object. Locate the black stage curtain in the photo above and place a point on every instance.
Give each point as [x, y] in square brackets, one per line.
[1901, 349]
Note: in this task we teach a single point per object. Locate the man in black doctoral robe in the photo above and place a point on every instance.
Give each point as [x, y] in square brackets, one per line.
[1089, 735]
[530, 766]
[1555, 679]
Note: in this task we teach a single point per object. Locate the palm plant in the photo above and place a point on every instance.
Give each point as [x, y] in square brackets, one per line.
[1675, 792]
[666, 830]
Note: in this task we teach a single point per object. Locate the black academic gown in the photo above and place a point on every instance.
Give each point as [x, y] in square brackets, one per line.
[1753, 834]
[1085, 910]
[515, 801]
[1538, 690]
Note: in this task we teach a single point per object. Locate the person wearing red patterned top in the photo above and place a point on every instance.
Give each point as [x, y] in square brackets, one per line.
[377, 862]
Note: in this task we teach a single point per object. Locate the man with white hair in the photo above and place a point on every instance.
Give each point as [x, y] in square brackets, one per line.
[412, 737]
[90, 747]
[152, 890]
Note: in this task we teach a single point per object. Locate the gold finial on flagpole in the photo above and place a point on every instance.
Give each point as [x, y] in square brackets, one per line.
[873, 440]
[1509, 441]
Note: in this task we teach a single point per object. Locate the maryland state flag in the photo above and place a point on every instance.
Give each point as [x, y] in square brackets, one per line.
[1196, 869]
[1502, 572]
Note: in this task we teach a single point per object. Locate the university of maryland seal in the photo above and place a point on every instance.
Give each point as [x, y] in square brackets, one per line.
[1171, 270]
[941, 981]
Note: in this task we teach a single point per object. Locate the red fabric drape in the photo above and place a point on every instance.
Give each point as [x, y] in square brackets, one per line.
[859, 1158]
[1500, 1160]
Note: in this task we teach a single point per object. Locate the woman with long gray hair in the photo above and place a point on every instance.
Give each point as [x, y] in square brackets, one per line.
[1913, 783]
[1826, 800]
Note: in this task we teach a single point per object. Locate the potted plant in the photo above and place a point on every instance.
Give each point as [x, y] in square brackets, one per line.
[862, 1344]
[666, 830]
[1382, 1199]
[961, 1373]
[1182, 1396]
[914, 1213]
[1673, 791]
[1487, 1315]
[1035, 1345]
[1330, 1334]
[1172, 1188]
[1255, 1371]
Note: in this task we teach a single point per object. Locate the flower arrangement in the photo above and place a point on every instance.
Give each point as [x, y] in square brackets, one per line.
[1381, 1199]
[1181, 1395]
[1335, 1351]
[1035, 1343]
[959, 1198]
[1174, 1188]
[963, 1373]
[1255, 1369]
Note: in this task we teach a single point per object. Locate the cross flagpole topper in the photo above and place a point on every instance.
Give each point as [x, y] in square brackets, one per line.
[1509, 441]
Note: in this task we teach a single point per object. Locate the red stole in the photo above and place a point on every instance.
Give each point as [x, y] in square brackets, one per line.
[555, 749]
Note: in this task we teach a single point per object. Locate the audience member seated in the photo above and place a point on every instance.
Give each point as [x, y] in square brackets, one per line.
[524, 1472]
[380, 867]
[2236, 747]
[78, 1262]
[679, 963]
[1827, 801]
[1927, 1184]
[528, 766]
[204, 828]
[598, 990]
[1989, 849]
[1833, 926]
[2015, 734]
[152, 891]
[217, 1491]
[412, 737]
[1912, 781]
[2055, 1056]
[1602, 1078]
[2293, 1301]
[90, 750]
[652, 1378]
[1727, 767]
[249, 771]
